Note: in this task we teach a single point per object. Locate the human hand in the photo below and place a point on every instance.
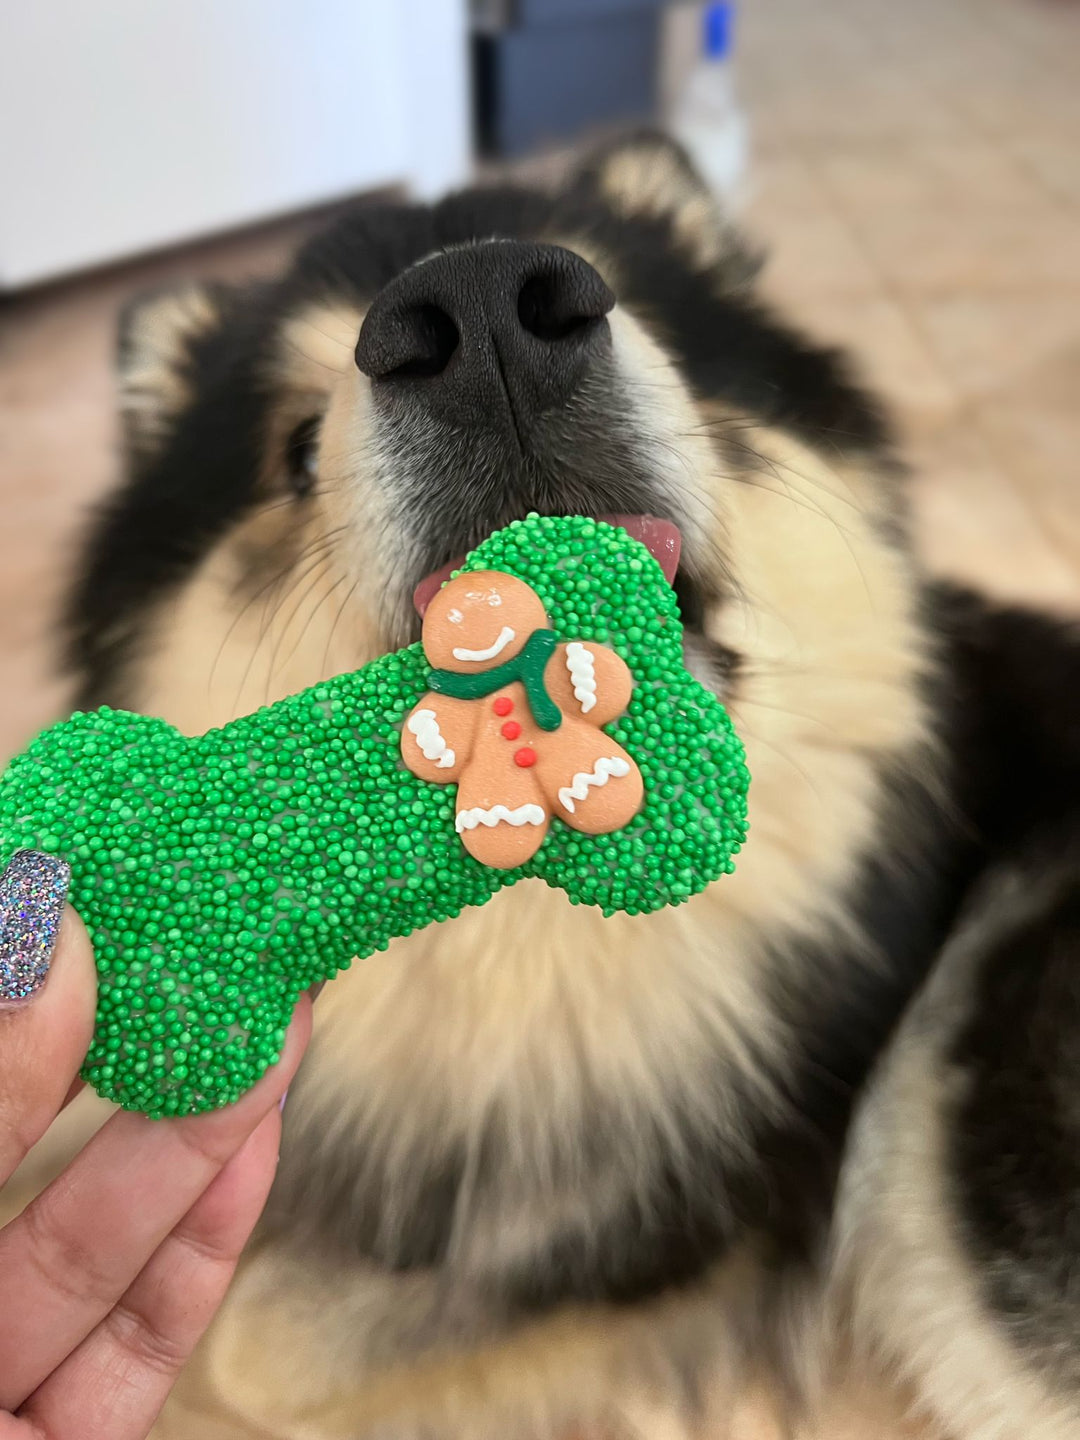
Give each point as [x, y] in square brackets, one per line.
[110, 1276]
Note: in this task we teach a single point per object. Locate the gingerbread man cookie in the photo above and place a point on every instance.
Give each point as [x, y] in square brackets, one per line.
[515, 719]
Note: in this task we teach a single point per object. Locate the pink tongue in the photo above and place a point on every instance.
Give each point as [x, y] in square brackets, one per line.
[660, 537]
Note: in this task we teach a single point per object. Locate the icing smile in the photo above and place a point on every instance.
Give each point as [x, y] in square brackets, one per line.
[506, 637]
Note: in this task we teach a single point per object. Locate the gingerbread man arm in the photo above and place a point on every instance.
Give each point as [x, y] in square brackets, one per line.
[589, 680]
[437, 737]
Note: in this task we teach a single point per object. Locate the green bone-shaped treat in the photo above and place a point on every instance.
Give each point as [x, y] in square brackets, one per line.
[220, 876]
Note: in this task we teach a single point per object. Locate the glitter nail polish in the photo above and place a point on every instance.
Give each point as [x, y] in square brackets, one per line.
[32, 893]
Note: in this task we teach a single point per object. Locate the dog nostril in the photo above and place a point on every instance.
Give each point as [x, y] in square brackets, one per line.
[431, 341]
[406, 340]
[552, 307]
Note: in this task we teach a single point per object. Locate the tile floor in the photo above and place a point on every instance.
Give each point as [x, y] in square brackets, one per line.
[917, 178]
[917, 175]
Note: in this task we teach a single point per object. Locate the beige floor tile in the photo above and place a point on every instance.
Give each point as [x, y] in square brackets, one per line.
[948, 217]
[828, 102]
[780, 29]
[989, 340]
[1048, 31]
[787, 200]
[924, 253]
[1034, 432]
[919, 30]
[975, 524]
[1052, 160]
[1005, 65]
[968, 176]
[1005, 95]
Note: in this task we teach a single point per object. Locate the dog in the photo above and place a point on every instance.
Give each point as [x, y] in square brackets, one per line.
[545, 1173]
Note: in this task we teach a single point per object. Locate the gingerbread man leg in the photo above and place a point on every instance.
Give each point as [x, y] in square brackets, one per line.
[590, 781]
[502, 816]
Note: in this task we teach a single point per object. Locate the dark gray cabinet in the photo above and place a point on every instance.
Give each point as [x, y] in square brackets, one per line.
[546, 70]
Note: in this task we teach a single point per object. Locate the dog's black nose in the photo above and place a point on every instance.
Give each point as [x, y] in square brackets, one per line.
[489, 328]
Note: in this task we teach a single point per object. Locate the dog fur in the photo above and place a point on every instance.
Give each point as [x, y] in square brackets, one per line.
[545, 1171]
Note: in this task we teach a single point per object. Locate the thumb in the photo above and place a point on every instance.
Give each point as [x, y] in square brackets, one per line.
[48, 990]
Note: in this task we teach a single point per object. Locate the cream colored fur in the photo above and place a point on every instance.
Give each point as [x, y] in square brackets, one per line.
[637, 181]
[154, 386]
[606, 1371]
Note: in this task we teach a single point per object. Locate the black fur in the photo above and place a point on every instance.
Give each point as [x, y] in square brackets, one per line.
[1015, 1157]
[177, 501]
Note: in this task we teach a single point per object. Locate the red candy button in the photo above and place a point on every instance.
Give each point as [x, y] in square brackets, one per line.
[511, 730]
[503, 705]
[525, 757]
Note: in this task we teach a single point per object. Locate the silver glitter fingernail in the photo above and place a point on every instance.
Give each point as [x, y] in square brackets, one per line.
[33, 889]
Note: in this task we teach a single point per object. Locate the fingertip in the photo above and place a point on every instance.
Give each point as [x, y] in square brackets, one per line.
[265, 1095]
[74, 973]
[44, 1038]
[271, 1088]
[299, 1031]
[297, 1037]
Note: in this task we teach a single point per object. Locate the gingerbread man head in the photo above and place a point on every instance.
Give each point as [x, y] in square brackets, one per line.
[514, 718]
[480, 620]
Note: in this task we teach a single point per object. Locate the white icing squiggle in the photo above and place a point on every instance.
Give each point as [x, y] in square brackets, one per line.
[584, 781]
[424, 725]
[523, 815]
[579, 662]
[505, 636]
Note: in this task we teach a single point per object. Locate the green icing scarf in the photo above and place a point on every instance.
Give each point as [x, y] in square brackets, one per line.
[527, 666]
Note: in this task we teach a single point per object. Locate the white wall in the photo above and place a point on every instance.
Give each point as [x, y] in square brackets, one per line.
[130, 124]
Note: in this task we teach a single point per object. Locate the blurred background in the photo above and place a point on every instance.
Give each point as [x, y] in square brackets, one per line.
[912, 168]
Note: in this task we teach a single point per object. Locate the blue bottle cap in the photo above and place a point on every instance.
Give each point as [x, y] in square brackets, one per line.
[719, 27]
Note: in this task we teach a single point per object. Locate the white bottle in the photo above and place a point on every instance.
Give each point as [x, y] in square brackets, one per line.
[707, 119]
